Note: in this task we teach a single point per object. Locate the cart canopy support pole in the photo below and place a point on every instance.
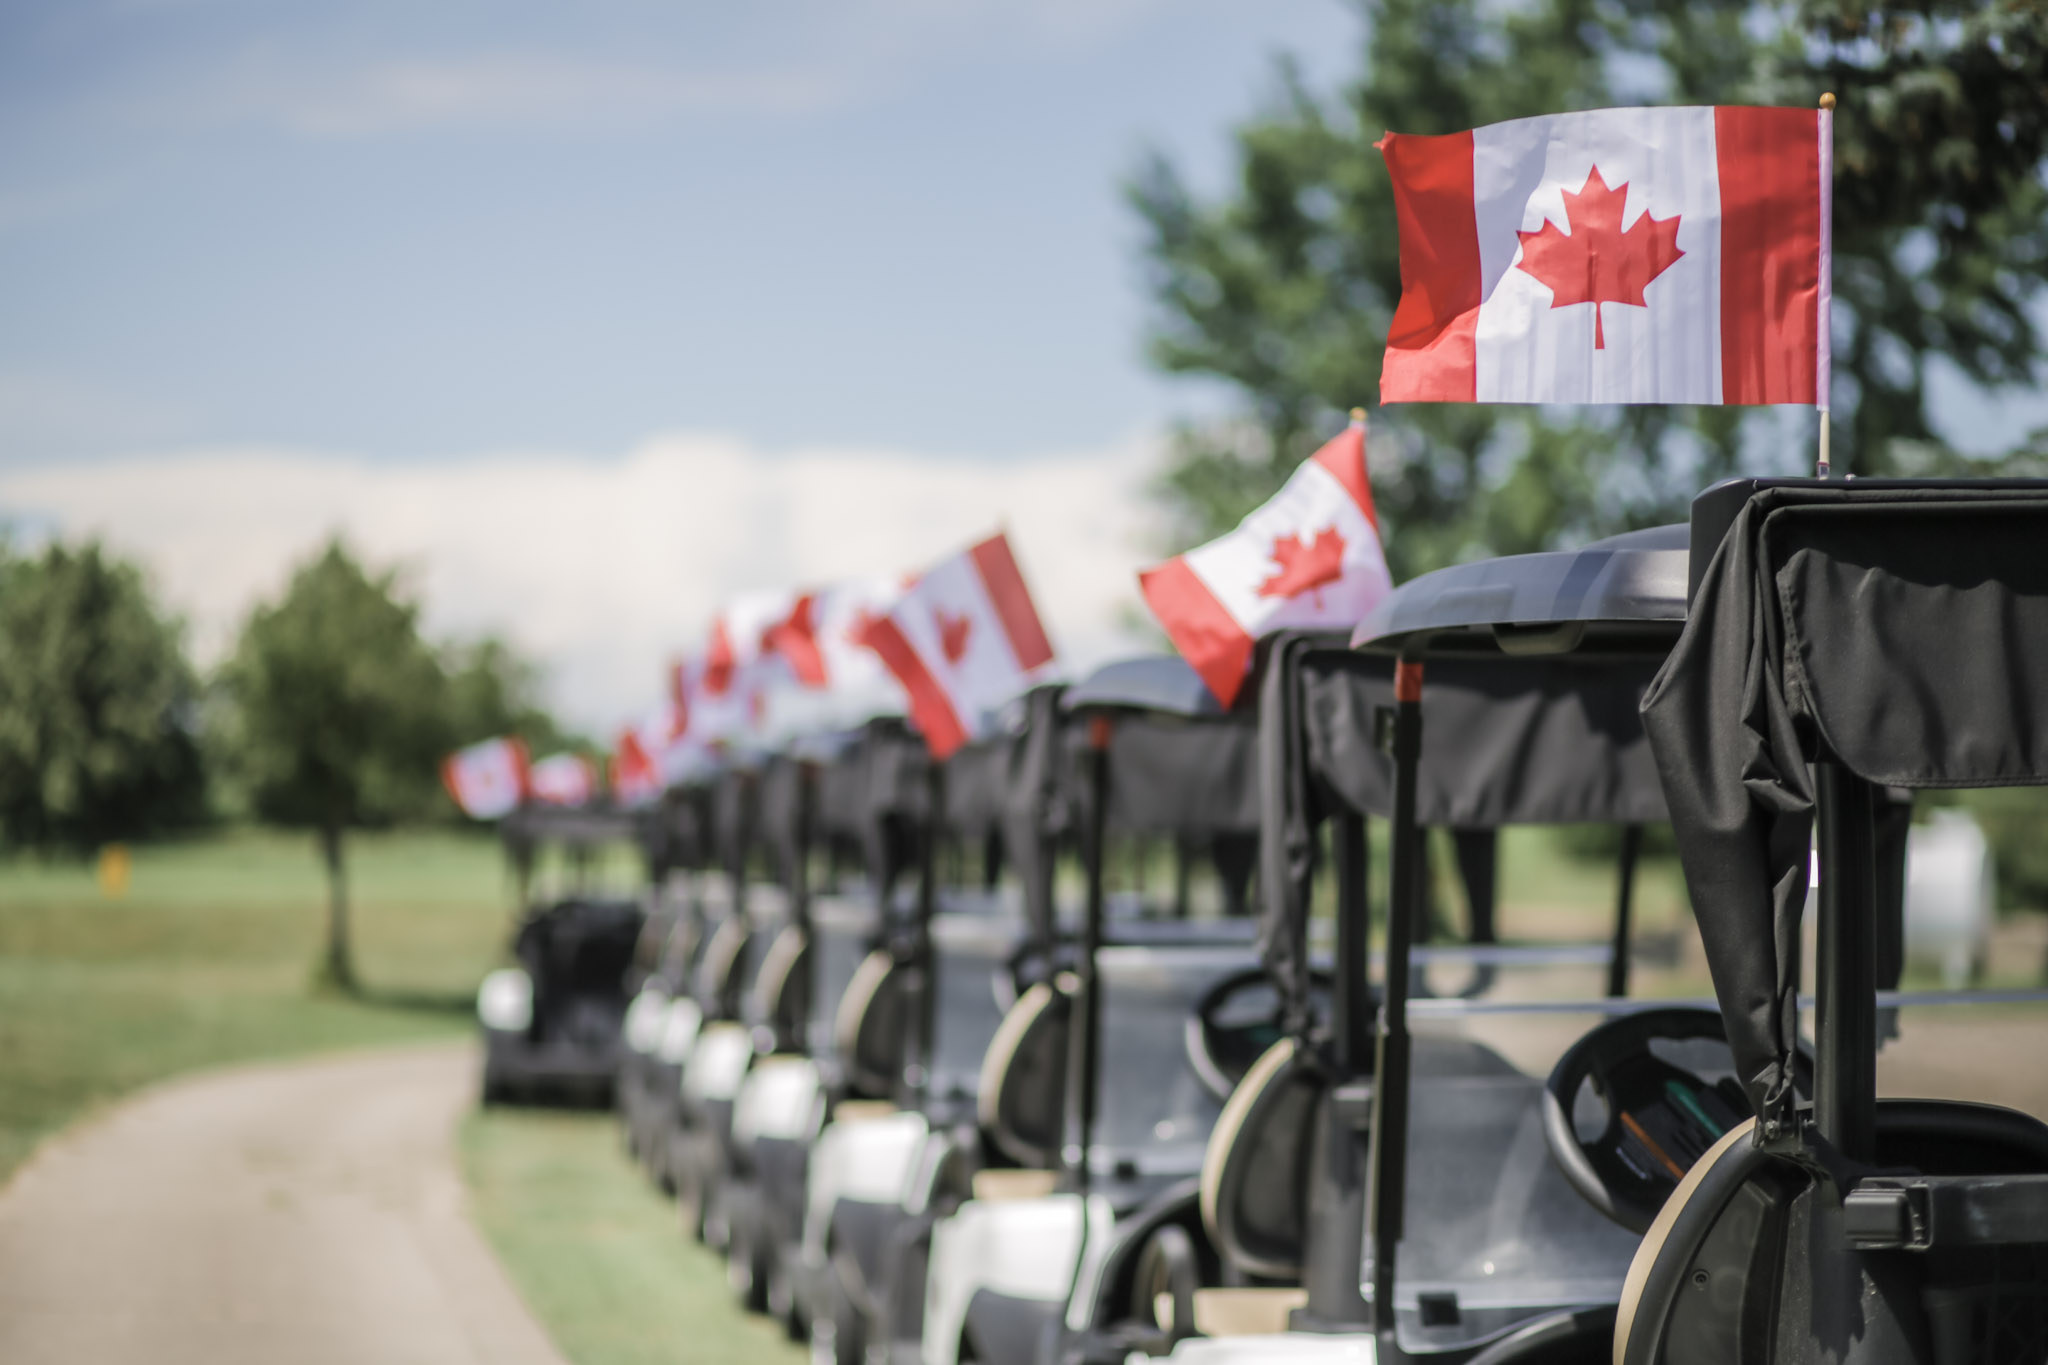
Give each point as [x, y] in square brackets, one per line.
[1387, 1162]
[1845, 976]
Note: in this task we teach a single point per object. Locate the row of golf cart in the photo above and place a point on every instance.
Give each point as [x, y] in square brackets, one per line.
[1104, 1037]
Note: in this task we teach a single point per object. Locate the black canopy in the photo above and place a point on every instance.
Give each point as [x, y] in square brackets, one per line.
[1155, 682]
[1897, 628]
[1178, 763]
[1536, 665]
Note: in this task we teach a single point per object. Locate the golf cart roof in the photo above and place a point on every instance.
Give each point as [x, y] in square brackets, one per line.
[1898, 628]
[1623, 594]
[1157, 682]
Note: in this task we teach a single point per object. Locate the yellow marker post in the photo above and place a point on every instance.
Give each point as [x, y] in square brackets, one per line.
[113, 871]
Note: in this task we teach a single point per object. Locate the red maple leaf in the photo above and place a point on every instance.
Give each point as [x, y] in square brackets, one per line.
[1596, 262]
[1303, 567]
[953, 633]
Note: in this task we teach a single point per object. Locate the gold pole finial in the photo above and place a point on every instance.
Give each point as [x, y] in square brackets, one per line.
[1358, 414]
[1827, 101]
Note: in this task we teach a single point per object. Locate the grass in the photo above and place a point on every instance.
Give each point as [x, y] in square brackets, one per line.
[208, 959]
[597, 1253]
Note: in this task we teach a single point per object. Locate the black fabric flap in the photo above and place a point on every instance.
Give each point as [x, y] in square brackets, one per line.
[1505, 741]
[1900, 629]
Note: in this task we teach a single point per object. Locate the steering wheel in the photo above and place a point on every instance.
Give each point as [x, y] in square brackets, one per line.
[1237, 1020]
[1661, 1113]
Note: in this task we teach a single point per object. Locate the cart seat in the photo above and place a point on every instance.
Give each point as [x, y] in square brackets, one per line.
[868, 1032]
[1752, 1226]
[1021, 1099]
[1255, 1170]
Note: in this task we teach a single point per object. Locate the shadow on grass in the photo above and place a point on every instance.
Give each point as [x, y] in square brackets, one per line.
[434, 1004]
[444, 1004]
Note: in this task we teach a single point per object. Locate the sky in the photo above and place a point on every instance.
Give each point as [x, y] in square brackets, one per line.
[589, 315]
[586, 317]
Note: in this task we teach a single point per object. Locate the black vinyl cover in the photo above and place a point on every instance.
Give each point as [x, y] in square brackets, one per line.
[879, 789]
[1506, 740]
[842, 792]
[1899, 629]
[1173, 775]
[734, 810]
[678, 829]
[1178, 763]
[1029, 807]
[781, 814]
[977, 785]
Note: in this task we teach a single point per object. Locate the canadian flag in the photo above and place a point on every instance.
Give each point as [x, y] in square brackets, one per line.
[635, 779]
[740, 639]
[487, 780]
[652, 754]
[962, 640]
[1676, 255]
[720, 690]
[1309, 557]
[563, 780]
[820, 637]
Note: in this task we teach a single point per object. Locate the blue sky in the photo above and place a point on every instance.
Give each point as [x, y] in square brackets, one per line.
[427, 231]
[588, 316]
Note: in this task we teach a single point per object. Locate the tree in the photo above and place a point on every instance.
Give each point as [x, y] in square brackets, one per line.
[493, 691]
[1284, 288]
[96, 705]
[341, 713]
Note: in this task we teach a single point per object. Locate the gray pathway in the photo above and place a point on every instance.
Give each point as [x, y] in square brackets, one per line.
[308, 1212]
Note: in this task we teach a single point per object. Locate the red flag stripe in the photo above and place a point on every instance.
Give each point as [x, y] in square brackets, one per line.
[930, 707]
[1206, 635]
[1769, 166]
[1012, 601]
[795, 638]
[1432, 353]
[1344, 457]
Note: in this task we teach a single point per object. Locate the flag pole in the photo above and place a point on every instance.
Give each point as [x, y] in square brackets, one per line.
[1824, 341]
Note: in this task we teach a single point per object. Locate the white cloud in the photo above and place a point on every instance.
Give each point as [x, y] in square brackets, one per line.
[603, 568]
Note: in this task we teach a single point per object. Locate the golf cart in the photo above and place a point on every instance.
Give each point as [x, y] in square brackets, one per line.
[1844, 638]
[1129, 1055]
[662, 1019]
[734, 956]
[1402, 1184]
[552, 1023]
[916, 1020]
[821, 807]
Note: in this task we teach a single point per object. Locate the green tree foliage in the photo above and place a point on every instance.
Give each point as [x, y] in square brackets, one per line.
[492, 691]
[1284, 288]
[97, 705]
[340, 713]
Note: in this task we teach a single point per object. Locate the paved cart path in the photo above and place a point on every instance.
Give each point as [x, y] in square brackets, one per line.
[307, 1212]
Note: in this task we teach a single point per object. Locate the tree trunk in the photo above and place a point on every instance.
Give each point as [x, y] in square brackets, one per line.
[340, 967]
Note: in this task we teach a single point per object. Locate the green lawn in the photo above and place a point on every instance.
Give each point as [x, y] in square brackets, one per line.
[208, 957]
[597, 1253]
